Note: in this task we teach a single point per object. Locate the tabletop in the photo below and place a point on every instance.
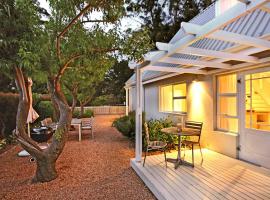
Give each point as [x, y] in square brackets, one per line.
[76, 121]
[185, 131]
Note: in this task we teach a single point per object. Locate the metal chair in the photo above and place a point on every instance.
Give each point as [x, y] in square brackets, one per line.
[88, 125]
[196, 127]
[153, 145]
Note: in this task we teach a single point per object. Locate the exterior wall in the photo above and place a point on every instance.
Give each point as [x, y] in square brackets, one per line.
[200, 107]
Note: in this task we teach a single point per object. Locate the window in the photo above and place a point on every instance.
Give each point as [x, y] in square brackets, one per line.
[258, 101]
[173, 98]
[227, 119]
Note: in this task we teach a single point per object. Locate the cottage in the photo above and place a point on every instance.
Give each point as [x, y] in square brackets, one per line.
[215, 70]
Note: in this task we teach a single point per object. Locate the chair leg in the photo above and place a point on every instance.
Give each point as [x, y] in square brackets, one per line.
[185, 150]
[145, 154]
[92, 133]
[192, 154]
[164, 149]
[201, 152]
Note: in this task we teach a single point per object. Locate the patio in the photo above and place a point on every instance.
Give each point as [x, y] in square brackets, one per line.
[219, 177]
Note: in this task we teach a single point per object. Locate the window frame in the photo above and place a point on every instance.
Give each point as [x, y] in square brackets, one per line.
[173, 98]
[218, 97]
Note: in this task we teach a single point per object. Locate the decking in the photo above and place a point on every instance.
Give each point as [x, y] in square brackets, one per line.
[219, 177]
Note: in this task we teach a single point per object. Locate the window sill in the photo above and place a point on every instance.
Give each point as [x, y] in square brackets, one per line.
[174, 113]
[226, 133]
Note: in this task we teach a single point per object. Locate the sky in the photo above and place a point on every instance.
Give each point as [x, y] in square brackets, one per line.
[133, 23]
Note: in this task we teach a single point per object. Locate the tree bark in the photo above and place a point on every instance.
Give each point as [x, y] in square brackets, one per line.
[82, 110]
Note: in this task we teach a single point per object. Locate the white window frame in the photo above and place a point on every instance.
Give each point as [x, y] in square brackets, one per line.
[218, 96]
[173, 98]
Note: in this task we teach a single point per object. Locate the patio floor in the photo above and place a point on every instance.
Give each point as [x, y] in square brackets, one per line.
[219, 177]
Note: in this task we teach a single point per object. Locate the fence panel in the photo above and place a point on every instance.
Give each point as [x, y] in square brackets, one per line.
[106, 110]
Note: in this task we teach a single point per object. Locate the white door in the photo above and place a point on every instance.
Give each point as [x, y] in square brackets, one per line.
[254, 109]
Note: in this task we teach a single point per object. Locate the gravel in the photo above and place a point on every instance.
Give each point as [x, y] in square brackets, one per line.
[96, 168]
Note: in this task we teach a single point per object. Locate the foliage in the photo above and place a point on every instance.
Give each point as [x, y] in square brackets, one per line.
[45, 110]
[76, 114]
[8, 105]
[126, 125]
[111, 90]
[163, 18]
[155, 133]
[87, 114]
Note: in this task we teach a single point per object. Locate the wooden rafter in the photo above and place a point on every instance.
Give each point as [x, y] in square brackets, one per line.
[174, 69]
[218, 54]
[198, 63]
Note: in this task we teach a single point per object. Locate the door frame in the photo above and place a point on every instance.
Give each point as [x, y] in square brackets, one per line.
[243, 131]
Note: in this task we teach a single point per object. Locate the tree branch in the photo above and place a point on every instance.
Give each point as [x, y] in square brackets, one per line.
[96, 21]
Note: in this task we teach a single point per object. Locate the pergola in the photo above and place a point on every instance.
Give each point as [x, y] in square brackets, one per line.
[185, 55]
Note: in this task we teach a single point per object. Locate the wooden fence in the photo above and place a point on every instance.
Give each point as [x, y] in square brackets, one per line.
[106, 110]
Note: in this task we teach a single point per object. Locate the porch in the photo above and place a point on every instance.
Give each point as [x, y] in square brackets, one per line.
[219, 177]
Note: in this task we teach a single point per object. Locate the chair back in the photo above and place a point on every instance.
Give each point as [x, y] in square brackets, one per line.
[146, 133]
[88, 123]
[197, 126]
[46, 121]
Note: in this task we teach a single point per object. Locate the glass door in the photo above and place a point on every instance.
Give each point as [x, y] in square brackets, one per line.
[255, 118]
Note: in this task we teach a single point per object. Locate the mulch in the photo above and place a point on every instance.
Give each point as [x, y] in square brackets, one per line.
[96, 168]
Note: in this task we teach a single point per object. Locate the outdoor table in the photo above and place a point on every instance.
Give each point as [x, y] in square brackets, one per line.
[77, 122]
[184, 132]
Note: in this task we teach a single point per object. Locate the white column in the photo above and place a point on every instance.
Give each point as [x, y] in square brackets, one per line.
[138, 148]
[127, 102]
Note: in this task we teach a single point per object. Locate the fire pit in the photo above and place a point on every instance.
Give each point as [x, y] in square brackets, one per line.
[41, 134]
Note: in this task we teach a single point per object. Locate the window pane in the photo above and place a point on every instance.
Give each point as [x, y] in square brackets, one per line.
[227, 106]
[166, 98]
[179, 90]
[180, 105]
[228, 124]
[258, 101]
[227, 84]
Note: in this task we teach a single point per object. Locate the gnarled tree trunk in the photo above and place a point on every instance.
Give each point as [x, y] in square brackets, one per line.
[46, 158]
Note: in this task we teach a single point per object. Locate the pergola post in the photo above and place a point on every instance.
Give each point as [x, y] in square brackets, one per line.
[138, 148]
[127, 100]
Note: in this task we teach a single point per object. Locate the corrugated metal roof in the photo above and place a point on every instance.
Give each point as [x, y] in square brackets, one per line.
[255, 24]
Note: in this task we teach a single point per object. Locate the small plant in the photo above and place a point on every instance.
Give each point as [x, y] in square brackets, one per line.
[76, 114]
[88, 113]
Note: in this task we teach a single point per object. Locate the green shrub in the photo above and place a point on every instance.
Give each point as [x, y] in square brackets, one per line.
[45, 109]
[76, 114]
[126, 125]
[155, 133]
[88, 113]
[8, 104]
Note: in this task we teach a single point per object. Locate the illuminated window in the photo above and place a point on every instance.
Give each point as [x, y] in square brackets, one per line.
[227, 119]
[258, 101]
[173, 98]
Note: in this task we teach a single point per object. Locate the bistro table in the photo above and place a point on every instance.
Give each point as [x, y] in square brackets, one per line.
[184, 132]
[77, 122]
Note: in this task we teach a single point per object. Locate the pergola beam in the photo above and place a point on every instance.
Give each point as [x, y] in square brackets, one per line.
[240, 39]
[174, 69]
[198, 63]
[266, 7]
[218, 54]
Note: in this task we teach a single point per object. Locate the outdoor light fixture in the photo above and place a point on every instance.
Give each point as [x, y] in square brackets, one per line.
[196, 79]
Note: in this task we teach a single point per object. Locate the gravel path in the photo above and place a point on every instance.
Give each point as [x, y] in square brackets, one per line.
[90, 169]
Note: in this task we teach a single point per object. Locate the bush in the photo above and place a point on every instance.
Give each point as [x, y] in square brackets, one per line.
[88, 113]
[44, 109]
[76, 114]
[155, 133]
[126, 125]
[8, 104]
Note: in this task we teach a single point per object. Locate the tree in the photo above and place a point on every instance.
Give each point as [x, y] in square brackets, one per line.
[45, 50]
[114, 82]
[163, 18]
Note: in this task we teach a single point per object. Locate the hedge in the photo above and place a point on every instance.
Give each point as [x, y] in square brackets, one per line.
[8, 104]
